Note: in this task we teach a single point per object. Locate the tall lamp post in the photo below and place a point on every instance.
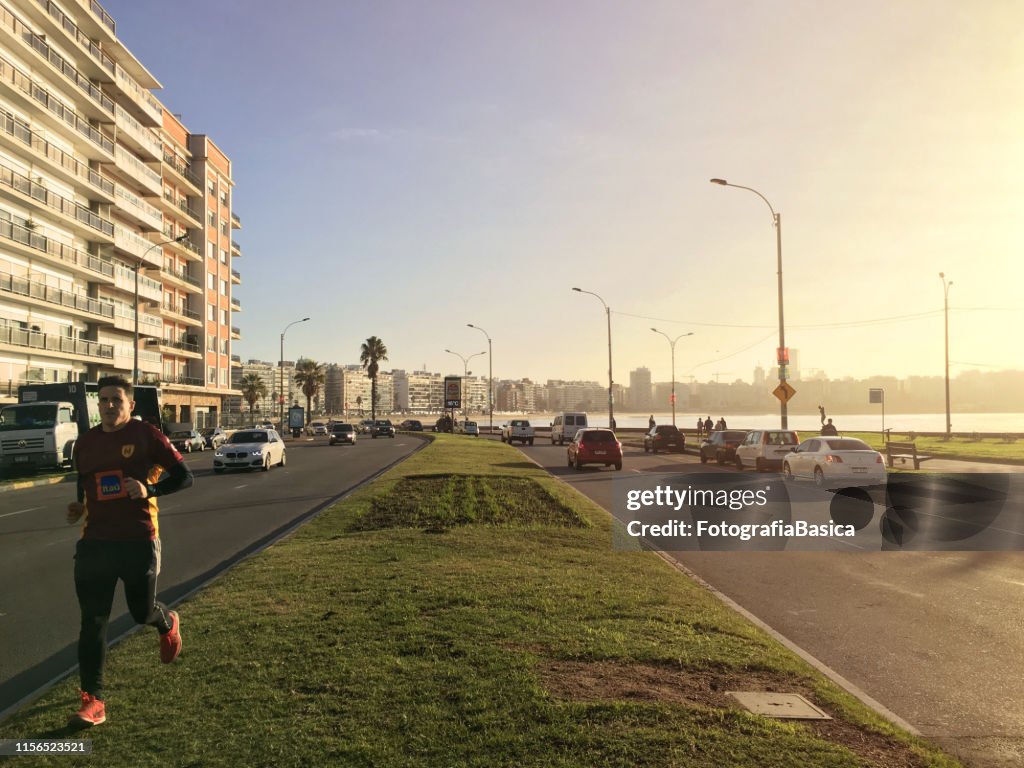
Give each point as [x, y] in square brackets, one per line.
[672, 343]
[945, 306]
[465, 372]
[138, 266]
[490, 377]
[783, 360]
[280, 395]
[608, 312]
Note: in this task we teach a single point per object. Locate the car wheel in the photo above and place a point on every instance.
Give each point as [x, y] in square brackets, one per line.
[188, 447]
[819, 477]
[568, 460]
[618, 466]
[284, 458]
[266, 464]
[719, 459]
[579, 464]
[739, 463]
[218, 471]
[531, 441]
[759, 465]
[704, 458]
[788, 472]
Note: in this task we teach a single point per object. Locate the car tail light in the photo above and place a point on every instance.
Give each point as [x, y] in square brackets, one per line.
[833, 459]
[878, 458]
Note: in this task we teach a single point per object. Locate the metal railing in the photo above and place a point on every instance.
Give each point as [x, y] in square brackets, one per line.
[182, 274]
[34, 189]
[26, 236]
[188, 381]
[182, 345]
[105, 18]
[183, 170]
[51, 342]
[11, 74]
[21, 132]
[36, 290]
[65, 67]
[78, 35]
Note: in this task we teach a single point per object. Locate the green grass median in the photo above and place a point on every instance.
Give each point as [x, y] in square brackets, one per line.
[991, 448]
[466, 609]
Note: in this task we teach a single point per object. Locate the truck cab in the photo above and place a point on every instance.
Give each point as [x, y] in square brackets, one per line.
[37, 435]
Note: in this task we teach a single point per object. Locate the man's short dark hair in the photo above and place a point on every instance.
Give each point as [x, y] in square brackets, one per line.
[116, 381]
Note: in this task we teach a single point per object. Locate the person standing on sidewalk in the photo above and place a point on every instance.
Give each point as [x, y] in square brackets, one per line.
[119, 466]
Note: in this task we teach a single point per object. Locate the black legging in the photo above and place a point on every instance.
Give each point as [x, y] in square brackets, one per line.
[98, 566]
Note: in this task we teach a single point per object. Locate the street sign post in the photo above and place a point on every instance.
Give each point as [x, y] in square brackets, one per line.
[877, 395]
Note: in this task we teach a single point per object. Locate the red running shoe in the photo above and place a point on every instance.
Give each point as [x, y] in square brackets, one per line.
[92, 712]
[170, 644]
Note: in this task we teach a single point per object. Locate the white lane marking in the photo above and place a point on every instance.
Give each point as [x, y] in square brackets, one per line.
[20, 511]
[76, 535]
[244, 485]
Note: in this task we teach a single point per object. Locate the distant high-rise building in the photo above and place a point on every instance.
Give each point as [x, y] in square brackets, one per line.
[640, 390]
[759, 378]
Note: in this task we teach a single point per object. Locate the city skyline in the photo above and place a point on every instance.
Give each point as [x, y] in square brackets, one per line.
[472, 165]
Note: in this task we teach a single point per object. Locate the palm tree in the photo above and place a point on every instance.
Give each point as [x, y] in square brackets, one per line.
[359, 404]
[309, 375]
[371, 353]
[253, 389]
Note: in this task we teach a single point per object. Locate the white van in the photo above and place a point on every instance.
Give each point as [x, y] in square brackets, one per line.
[565, 426]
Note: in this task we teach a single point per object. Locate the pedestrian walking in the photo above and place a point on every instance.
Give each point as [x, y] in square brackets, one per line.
[651, 422]
[119, 465]
[829, 429]
[708, 426]
[723, 422]
[700, 427]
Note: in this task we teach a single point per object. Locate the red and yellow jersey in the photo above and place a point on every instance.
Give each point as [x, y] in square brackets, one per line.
[104, 460]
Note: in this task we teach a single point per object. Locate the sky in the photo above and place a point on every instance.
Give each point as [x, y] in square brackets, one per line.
[405, 168]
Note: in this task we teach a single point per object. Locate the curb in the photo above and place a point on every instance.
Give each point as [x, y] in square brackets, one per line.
[21, 485]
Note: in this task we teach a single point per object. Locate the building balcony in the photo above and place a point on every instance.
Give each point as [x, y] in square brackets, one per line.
[236, 305]
[97, 64]
[29, 95]
[63, 346]
[42, 295]
[149, 325]
[136, 246]
[236, 361]
[140, 102]
[236, 333]
[182, 314]
[99, 23]
[149, 289]
[139, 138]
[181, 279]
[32, 148]
[178, 347]
[33, 244]
[181, 171]
[129, 167]
[236, 223]
[236, 249]
[182, 380]
[138, 210]
[85, 223]
[236, 277]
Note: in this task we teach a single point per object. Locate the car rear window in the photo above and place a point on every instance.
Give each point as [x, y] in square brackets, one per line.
[518, 423]
[248, 437]
[598, 436]
[781, 438]
[731, 437]
[667, 429]
[847, 444]
[180, 434]
[579, 420]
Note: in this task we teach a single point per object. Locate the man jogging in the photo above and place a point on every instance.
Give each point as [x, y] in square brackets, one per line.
[119, 464]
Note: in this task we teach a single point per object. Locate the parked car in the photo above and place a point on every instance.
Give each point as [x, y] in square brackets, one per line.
[835, 461]
[664, 437]
[364, 426]
[517, 429]
[764, 449]
[412, 425]
[317, 429]
[594, 446]
[566, 425]
[469, 428]
[214, 436]
[382, 428]
[721, 446]
[342, 433]
[250, 449]
[187, 440]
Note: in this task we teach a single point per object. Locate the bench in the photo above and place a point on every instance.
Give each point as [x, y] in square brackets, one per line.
[904, 451]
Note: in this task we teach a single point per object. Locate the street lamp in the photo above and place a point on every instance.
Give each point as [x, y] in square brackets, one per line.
[945, 305]
[280, 395]
[490, 377]
[608, 312]
[138, 266]
[672, 343]
[465, 372]
[783, 358]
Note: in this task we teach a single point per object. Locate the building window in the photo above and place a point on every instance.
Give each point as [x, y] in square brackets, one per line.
[212, 219]
[211, 250]
[225, 346]
[211, 375]
[223, 287]
[223, 256]
[223, 317]
[224, 377]
[211, 281]
[224, 198]
[224, 228]
[211, 343]
[212, 186]
[211, 313]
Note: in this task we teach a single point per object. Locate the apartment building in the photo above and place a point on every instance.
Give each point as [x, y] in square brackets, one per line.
[418, 392]
[115, 220]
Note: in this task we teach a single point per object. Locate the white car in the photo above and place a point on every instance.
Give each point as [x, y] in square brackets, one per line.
[765, 449]
[835, 461]
[469, 428]
[250, 449]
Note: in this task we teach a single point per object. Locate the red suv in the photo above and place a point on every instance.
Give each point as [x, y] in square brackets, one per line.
[594, 446]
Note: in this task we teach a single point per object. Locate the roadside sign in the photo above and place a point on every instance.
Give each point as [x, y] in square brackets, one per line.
[784, 392]
[452, 392]
[876, 396]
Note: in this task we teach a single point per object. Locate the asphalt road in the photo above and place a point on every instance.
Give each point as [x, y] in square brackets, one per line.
[203, 530]
[936, 637]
